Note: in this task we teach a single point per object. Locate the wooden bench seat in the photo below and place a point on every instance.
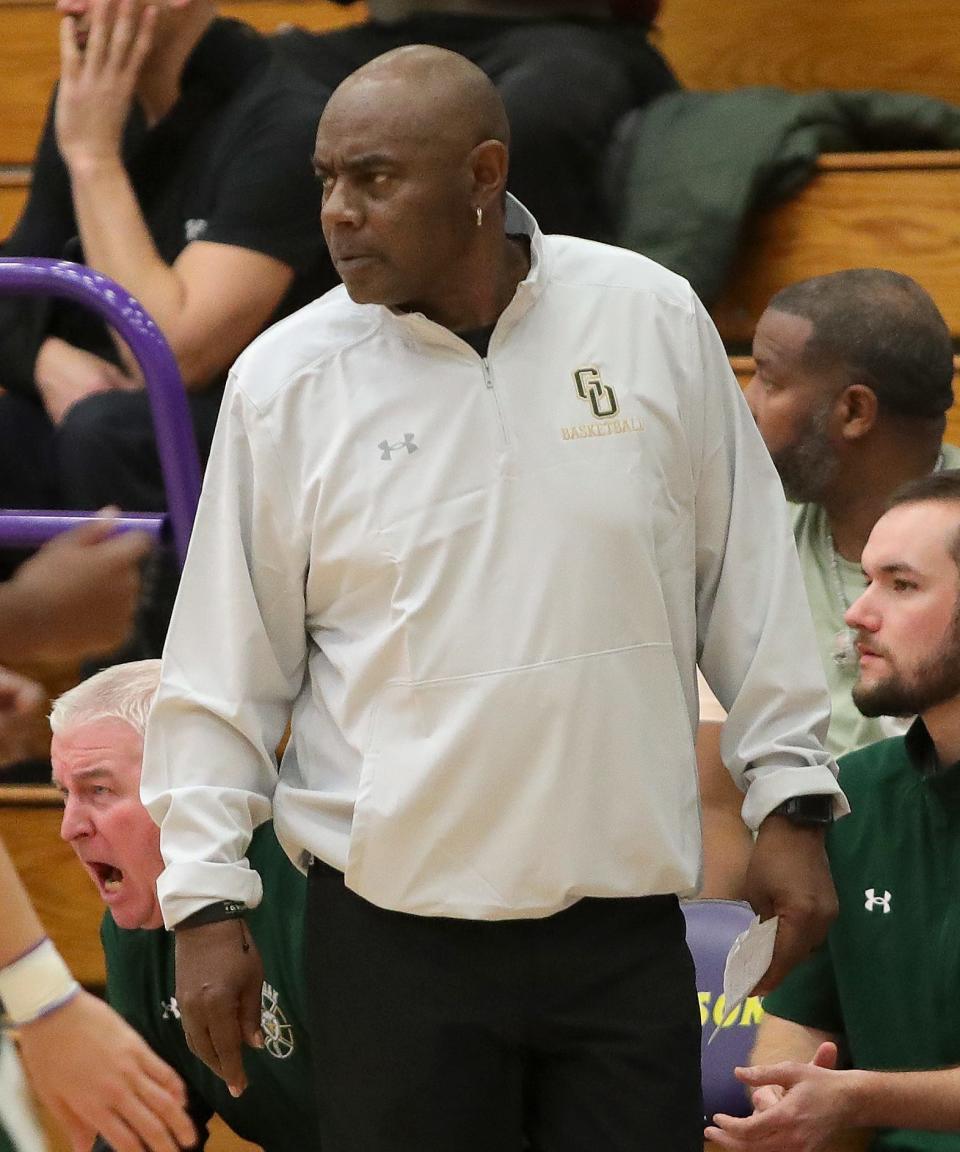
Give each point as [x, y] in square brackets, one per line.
[894, 210]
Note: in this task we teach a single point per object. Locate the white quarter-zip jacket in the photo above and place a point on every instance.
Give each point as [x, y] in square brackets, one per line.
[482, 585]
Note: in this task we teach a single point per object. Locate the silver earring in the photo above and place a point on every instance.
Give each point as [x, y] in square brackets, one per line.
[479, 216]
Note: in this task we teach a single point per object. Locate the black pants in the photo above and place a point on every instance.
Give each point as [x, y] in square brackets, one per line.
[578, 1033]
[102, 453]
[565, 83]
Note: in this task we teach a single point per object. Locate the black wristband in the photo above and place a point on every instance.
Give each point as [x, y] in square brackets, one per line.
[212, 914]
[814, 811]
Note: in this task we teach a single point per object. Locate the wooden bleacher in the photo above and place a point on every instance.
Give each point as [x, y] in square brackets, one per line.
[899, 46]
[898, 210]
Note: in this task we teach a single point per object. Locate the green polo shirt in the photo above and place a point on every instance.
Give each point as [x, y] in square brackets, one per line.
[886, 978]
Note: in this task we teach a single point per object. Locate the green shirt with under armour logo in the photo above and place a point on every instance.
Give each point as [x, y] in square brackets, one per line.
[886, 977]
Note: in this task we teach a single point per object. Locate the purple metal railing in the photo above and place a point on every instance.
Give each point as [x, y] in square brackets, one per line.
[176, 444]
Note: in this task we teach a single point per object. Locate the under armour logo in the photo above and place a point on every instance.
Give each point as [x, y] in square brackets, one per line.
[874, 901]
[170, 1008]
[387, 449]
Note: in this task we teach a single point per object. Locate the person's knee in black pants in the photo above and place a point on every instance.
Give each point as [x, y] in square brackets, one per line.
[27, 472]
[106, 454]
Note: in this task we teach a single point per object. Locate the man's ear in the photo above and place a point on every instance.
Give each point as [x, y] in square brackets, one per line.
[489, 163]
[858, 411]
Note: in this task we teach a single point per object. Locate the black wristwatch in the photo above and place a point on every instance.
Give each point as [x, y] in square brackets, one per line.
[807, 811]
[213, 914]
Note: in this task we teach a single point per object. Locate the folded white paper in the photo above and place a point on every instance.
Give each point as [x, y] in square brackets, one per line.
[748, 959]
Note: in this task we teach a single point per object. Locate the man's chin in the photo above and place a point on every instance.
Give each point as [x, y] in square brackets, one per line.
[879, 700]
[360, 293]
[800, 490]
[365, 282]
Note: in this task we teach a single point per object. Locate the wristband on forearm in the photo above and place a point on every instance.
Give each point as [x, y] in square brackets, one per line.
[36, 984]
[213, 914]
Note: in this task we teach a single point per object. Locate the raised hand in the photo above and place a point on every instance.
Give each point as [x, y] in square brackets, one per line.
[100, 64]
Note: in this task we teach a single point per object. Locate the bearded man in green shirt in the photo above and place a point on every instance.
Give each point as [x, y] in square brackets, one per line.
[882, 990]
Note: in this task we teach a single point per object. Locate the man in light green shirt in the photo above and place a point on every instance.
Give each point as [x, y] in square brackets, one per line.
[852, 386]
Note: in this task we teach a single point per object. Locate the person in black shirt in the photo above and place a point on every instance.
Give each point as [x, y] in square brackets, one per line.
[176, 160]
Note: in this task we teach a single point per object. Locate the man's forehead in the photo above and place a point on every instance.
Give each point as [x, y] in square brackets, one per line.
[381, 118]
[781, 335]
[94, 773]
[103, 746]
[392, 142]
[371, 148]
[916, 537]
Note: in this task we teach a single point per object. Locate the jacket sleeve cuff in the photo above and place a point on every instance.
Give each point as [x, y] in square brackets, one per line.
[184, 889]
[770, 788]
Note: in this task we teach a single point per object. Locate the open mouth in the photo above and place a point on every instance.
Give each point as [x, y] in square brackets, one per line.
[109, 878]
